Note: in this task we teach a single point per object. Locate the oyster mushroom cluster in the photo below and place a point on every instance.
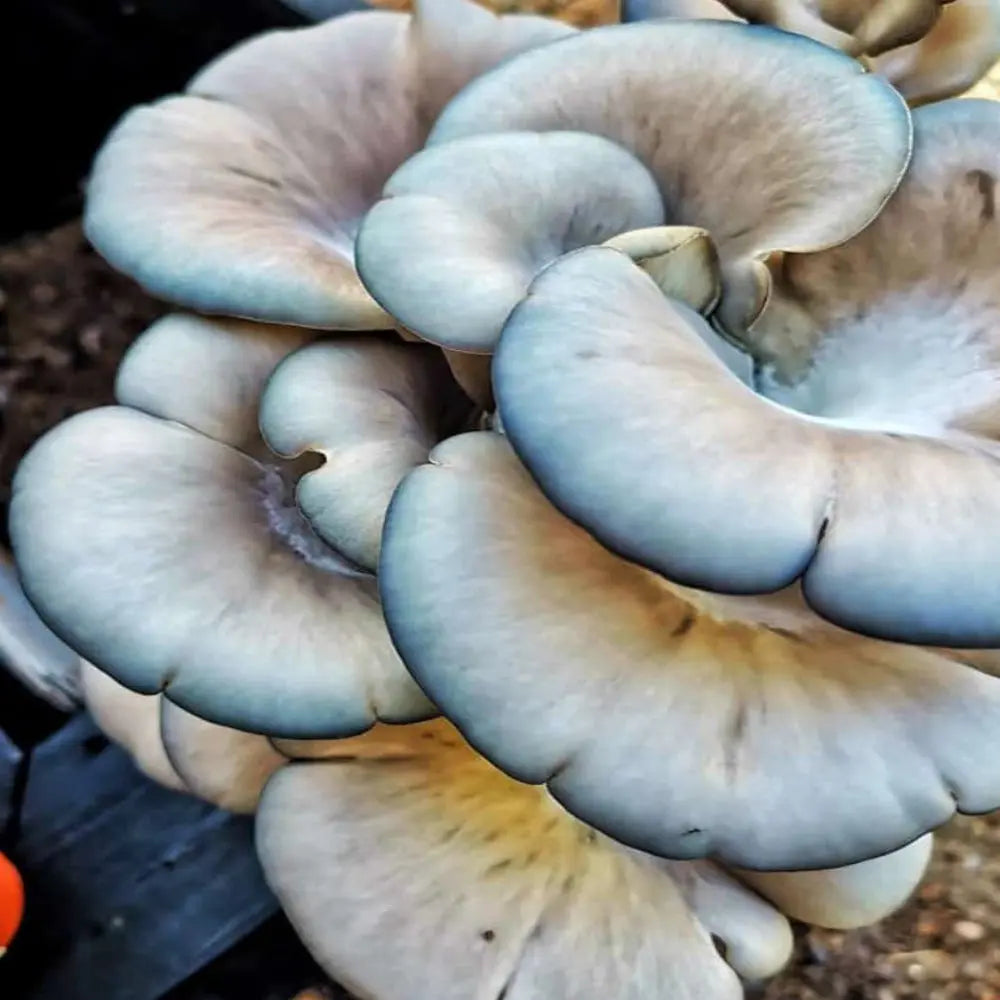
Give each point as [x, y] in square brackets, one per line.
[563, 506]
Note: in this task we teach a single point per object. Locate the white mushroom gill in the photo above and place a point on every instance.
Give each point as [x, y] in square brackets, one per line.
[286, 520]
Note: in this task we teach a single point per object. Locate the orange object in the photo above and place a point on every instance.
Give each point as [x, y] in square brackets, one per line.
[11, 902]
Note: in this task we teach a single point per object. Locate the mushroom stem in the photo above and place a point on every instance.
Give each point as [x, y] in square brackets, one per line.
[892, 23]
[682, 260]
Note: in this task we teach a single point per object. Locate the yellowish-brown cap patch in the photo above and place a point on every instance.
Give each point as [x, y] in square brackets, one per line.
[580, 13]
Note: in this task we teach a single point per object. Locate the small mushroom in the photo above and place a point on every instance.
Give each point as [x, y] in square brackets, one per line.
[243, 195]
[681, 723]
[161, 540]
[804, 164]
[681, 260]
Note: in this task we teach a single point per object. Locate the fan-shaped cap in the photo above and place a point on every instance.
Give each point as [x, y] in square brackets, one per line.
[821, 144]
[527, 878]
[465, 227]
[951, 57]
[415, 871]
[372, 410]
[856, 26]
[875, 496]
[673, 723]
[243, 195]
[896, 334]
[176, 561]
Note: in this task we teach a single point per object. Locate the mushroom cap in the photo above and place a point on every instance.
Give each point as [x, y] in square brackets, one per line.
[463, 228]
[950, 47]
[674, 722]
[243, 195]
[372, 410]
[822, 144]
[842, 898]
[178, 750]
[223, 766]
[897, 334]
[408, 817]
[951, 57]
[176, 562]
[511, 892]
[873, 489]
[132, 721]
[856, 26]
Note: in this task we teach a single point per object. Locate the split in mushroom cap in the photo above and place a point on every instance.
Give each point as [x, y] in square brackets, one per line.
[243, 195]
[156, 544]
[960, 47]
[683, 726]
[464, 227]
[373, 410]
[775, 143]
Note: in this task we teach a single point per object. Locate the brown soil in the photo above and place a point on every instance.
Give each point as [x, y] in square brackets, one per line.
[65, 319]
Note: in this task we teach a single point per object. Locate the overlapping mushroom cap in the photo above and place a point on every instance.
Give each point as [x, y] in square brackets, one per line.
[671, 139]
[706, 427]
[929, 51]
[445, 878]
[163, 540]
[243, 195]
[549, 614]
